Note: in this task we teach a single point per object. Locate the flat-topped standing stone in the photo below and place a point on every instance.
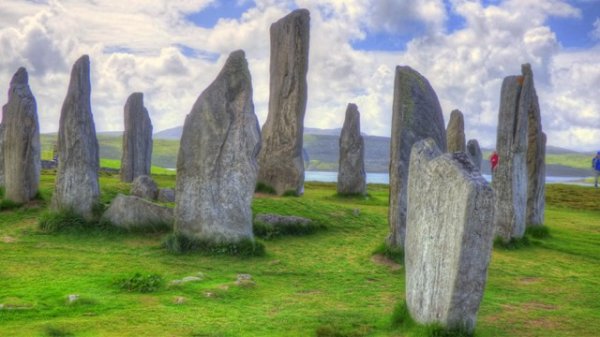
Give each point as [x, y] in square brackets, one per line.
[455, 134]
[510, 177]
[76, 186]
[216, 166]
[416, 115]
[137, 139]
[449, 237]
[536, 158]
[474, 153]
[280, 160]
[21, 145]
[351, 173]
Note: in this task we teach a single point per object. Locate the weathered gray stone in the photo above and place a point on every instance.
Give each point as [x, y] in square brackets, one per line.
[416, 115]
[144, 187]
[166, 195]
[137, 139]
[474, 153]
[1, 155]
[21, 144]
[536, 158]
[449, 237]
[510, 176]
[351, 173]
[76, 186]
[131, 212]
[280, 160]
[455, 133]
[281, 220]
[216, 167]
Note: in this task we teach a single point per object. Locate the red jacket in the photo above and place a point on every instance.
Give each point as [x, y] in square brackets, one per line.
[494, 160]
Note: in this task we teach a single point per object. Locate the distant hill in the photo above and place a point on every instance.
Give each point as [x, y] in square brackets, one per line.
[322, 152]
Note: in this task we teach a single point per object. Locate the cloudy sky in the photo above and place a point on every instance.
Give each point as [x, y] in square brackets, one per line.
[172, 49]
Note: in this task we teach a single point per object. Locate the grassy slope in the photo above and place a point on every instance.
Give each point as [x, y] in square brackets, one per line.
[323, 282]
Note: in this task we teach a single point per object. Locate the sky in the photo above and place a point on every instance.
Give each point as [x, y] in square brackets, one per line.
[171, 50]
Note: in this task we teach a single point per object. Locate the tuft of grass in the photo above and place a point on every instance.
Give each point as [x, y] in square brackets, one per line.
[352, 195]
[290, 193]
[436, 330]
[395, 254]
[538, 231]
[6, 204]
[513, 244]
[56, 331]
[66, 220]
[264, 188]
[180, 244]
[269, 231]
[401, 316]
[141, 283]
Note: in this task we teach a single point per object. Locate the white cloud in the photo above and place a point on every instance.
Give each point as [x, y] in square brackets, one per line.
[595, 33]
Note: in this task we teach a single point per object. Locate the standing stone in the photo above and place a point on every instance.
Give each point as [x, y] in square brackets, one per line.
[455, 134]
[2, 155]
[216, 166]
[449, 237]
[76, 185]
[280, 161]
[21, 145]
[144, 187]
[416, 115]
[352, 177]
[536, 158]
[474, 153]
[137, 139]
[510, 177]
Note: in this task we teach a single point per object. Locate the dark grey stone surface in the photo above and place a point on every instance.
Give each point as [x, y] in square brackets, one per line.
[352, 178]
[131, 212]
[474, 153]
[137, 139]
[144, 187]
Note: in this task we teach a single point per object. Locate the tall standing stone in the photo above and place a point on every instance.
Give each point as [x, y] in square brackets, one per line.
[536, 158]
[449, 237]
[351, 173]
[455, 134]
[416, 115]
[474, 153]
[76, 186]
[216, 166]
[137, 139]
[2, 155]
[21, 145]
[280, 161]
[510, 177]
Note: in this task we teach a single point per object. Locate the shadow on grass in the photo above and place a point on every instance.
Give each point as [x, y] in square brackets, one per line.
[180, 244]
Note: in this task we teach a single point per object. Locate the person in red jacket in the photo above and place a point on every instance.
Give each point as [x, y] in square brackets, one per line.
[494, 161]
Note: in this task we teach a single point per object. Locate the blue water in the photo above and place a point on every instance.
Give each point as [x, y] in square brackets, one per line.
[384, 178]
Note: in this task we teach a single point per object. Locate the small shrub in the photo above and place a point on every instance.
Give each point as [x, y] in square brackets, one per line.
[181, 244]
[54, 331]
[538, 231]
[513, 244]
[395, 254]
[264, 188]
[401, 316]
[268, 231]
[142, 283]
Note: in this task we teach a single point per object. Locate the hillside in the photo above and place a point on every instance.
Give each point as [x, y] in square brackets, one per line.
[322, 148]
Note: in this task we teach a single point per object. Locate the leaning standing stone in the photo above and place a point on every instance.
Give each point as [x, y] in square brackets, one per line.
[455, 134]
[416, 115]
[449, 237]
[21, 145]
[137, 139]
[474, 153]
[76, 185]
[510, 177]
[352, 176]
[280, 160]
[216, 166]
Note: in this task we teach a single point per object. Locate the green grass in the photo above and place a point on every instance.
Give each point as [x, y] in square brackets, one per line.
[180, 244]
[323, 284]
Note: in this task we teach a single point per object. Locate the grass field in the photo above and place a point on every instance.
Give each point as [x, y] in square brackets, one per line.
[324, 284]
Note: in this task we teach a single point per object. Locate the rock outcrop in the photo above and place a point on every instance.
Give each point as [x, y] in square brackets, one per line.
[144, 187]
[449, 237]
[21, 141]
[536, 158]
[352, 178]
[474, 153]
[137, 139]
[455, 133]
[416, 115]
[280, 160]
[510, 177]
[216, 166]
[76, 186]
[134, 213]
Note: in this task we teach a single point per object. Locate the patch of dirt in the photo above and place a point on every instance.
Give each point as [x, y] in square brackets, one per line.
[264, 195]
[8, 239]
[530, 280]
[385, 261]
